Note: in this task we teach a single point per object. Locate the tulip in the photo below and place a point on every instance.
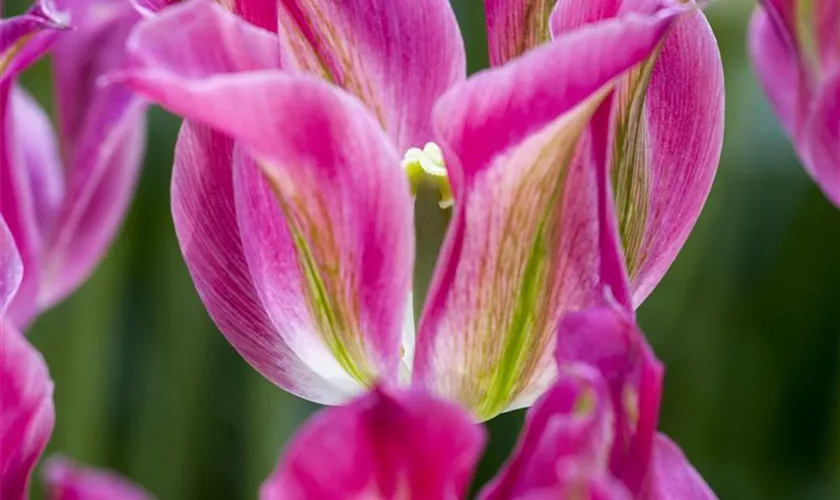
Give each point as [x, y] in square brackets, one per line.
[27, 416]
[66, 480]
[592, 435]
[64, 199]
[795, 49]
[294, 214]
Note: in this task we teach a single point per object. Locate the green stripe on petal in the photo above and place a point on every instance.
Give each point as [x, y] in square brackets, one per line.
[330, 301]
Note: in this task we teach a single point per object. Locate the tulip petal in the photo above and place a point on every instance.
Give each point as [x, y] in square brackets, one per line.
[523, 245]
[206, 225]
[565, 445]
[397, 57]
[23, 39]
[777, 67]
[262, 13]
[68, 481]
[352, 251]
[102, 137]
[31, 183]
[668, 137]
[671, 475]
[386, 444]
[516, 26]
[609, 340]
[326, 219]
[27, 416]
[822, 138]
[11, 268]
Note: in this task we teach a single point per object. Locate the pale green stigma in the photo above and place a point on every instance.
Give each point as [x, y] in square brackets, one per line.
[426, 165]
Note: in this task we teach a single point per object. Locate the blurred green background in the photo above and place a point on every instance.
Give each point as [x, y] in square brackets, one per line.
[747, 322]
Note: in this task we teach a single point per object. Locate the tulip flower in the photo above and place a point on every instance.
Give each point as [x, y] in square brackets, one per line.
[64, 199]
[66, 480]
[795, 48]
[592, 435]
[667, 129]
[294, 214]
[26, 405]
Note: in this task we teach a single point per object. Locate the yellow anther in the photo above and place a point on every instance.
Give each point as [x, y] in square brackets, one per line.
[422, 165]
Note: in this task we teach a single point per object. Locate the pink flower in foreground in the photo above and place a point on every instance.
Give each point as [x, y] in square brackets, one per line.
[295, 217]
[795, 48]
[68, 481]
[63, 200]
[591, 436]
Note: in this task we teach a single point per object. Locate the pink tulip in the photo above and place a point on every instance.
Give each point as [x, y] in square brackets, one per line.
[295, 217]
[795, 47]
[68, 481]
[592, 435]
[64, 199]
[26, 405]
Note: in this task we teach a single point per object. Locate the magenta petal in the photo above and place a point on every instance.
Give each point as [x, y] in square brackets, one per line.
[684, 109]
[822, 138]
[678, 128]
[671, 475]
[31, 189]
[101, 134]
[68, 481]
[609, 340]
[525, 243]
[27, 416]
[326, 221]
[11, 268]
[386, 444]
[397, 57]
[565, 445]
[23, 39]
[204, 214]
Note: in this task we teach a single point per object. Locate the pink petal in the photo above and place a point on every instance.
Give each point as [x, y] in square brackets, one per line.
[31, 188]
[387, 444]
[11, 268]
[206, 225]
[609, 340]
[672, 477]
[524, 244]
[27, 416]
[262, 13]
[102, 137]
[326, 219]
[330, 247]
[665, 162]
[68, 481]
[397, 57]
[178, 56]
[822, 138]
[565, 444]
[777, 66]
[826, 17]
[23, 39]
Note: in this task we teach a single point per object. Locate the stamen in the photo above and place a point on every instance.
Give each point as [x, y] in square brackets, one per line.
[427, 165]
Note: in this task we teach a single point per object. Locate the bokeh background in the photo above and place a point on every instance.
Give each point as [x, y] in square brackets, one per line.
[747, 322]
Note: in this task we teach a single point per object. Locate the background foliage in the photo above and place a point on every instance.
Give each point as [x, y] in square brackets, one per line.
[746, 321]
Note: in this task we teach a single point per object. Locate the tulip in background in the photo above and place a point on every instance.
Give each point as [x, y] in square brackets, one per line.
[64, 199]
[795, 48]
[56, 219]
[295, 218]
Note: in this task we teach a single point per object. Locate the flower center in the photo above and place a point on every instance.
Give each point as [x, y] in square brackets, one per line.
[426, 165]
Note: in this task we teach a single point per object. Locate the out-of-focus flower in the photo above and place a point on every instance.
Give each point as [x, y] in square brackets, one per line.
[795, 48]
[26, 405]
[68, 481]
[63, 200]
[295, 218]
[591, 436]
